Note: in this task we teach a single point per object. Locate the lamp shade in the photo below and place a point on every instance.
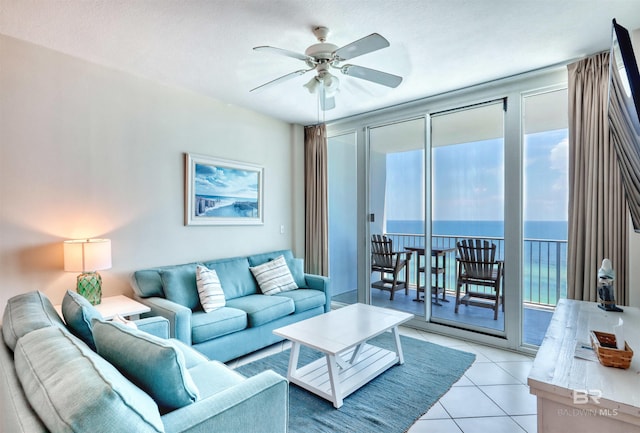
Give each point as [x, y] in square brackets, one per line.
[312, 85]
[87, 255]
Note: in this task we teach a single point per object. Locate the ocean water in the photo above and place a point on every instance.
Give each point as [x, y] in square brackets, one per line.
[548, 230]
[225, 206]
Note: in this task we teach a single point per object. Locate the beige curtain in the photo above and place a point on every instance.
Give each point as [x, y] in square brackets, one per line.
[316, 215]
[597, 207]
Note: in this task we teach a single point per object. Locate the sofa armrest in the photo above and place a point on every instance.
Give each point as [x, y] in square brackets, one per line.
[319, 282]
[178, 315]
[156, 325]
[265, 396]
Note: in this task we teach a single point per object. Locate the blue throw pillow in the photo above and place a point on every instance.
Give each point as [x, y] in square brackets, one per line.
[78, 313]
[157, 366]
[296, 266]
[179, 285]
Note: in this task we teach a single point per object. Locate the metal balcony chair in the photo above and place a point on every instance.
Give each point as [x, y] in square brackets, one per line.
[389, 264]
[477, 266]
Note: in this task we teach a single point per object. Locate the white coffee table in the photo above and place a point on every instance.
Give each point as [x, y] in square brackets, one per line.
[349, 361]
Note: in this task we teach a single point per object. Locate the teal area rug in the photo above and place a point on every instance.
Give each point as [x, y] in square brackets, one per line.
[388, 404]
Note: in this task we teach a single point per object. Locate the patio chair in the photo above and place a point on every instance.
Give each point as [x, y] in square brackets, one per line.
[477, 266]
[390, 265]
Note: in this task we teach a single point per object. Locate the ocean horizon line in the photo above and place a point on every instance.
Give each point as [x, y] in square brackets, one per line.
[533, 229]
[479, 220]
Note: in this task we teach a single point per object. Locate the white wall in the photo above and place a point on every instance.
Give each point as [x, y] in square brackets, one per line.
[86, 151]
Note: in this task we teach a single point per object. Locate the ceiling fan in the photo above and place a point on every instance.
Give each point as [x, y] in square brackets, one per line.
[323, 57]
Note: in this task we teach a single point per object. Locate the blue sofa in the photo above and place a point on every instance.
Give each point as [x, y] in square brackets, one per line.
[51, 379]
[246, 322]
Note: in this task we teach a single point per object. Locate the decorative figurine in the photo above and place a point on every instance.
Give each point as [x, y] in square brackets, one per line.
[606, 275]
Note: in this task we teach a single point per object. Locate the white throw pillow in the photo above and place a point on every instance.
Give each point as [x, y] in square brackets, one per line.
[274, 276]
[119, 319]
[209, 289]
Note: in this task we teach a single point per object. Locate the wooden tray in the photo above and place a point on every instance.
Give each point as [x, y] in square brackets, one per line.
[604, 344]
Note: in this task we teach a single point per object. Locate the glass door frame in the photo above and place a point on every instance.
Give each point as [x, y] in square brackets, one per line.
[429, 185]
[367, 165]
[526, 94]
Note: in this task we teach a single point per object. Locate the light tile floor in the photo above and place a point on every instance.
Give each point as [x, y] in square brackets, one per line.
[491, 396]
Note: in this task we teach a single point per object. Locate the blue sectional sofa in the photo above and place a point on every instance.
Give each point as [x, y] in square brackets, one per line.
[51, 379]
[246, 322]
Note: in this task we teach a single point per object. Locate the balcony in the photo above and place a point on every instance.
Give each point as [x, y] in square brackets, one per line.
[544, 282]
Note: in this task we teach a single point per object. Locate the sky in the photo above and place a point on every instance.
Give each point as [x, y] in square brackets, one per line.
[469, 181]
[224, 181]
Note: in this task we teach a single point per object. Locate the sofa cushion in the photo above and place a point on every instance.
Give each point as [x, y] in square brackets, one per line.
[179, 285]
[213, 377]
[274, 276]
[25, 313]
[296, 266]
[263, 309]
[305, 299]
[78, 313]
[209, 289]
[147, 282]
[155, 365]
[223, 321]
[235, 277]
[74, 390]
[258, 259]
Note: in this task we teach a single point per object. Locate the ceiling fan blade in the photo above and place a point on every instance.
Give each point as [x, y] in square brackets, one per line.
[370, 43]
[282, 52]
[372, 75]
[281, 79]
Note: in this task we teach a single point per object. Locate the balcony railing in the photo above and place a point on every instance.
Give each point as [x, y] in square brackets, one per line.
[544, 264]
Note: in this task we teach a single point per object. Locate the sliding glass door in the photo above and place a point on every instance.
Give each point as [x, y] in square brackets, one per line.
[342, 198]
[467, 205]
[487, 163]
[545, 210]
[396, 212]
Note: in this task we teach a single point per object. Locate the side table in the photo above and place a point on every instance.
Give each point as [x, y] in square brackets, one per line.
[122, 305]
[110, 306]
[439, 268]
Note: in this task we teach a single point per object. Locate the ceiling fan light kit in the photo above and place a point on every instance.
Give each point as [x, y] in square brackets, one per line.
[322, 56]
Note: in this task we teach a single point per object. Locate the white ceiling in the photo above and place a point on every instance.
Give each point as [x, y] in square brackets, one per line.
[206, 45]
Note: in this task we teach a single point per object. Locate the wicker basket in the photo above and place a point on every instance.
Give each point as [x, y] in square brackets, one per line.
[604, 345]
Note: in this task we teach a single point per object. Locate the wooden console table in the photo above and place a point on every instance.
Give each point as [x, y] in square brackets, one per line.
[578, 395]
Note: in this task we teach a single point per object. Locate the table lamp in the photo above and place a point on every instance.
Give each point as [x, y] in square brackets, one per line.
[88, 256]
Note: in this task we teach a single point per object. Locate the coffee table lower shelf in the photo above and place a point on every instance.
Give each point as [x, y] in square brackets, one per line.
[349, 373]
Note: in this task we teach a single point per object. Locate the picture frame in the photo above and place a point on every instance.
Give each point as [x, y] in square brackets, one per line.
[223, 192]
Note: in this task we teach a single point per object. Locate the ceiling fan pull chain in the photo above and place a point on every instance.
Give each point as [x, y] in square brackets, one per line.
[318, 109]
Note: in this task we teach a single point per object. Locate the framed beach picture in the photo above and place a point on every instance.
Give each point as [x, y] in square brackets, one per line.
[222, 192]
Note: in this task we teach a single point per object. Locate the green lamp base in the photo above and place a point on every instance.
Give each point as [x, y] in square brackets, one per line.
[90, 287]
